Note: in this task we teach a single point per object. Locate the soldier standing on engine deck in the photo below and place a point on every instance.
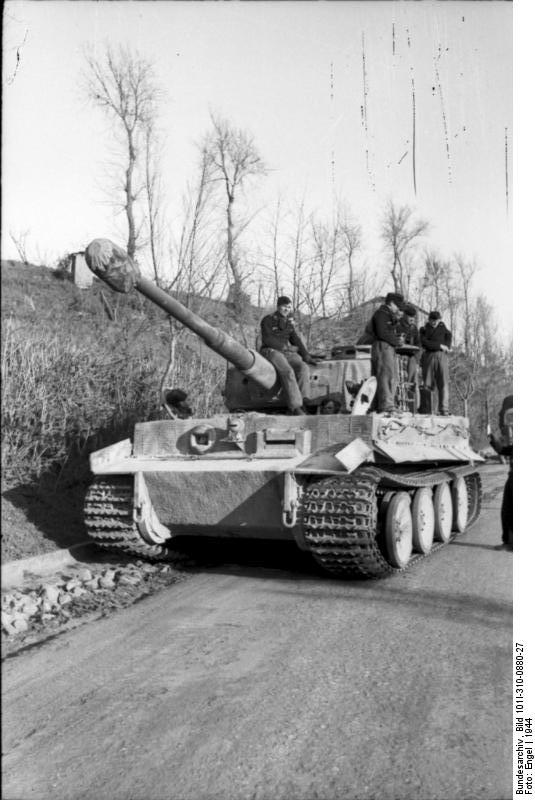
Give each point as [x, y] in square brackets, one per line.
[279, 340]
[409, 330]
[435, 339]
[383, 326]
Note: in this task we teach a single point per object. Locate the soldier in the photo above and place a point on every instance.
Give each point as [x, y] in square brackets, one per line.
[330, 406]
[409, 330]
[285, 349]
[503, 444]
[435, 339]
[383, 326]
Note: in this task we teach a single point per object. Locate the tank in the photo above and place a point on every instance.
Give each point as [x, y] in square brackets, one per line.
[366, 494]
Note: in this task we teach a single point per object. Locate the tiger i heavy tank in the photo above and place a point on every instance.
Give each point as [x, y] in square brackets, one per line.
[365, 493]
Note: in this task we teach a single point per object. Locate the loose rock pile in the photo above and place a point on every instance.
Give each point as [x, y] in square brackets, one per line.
[53, 603]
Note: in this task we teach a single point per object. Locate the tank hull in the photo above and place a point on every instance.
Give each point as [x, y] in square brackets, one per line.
[246, 488]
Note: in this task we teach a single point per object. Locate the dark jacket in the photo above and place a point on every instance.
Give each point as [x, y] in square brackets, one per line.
[431, 338]
[384, 326]
[279, 333]
[502, 442]
[410, 330]
[501, 448]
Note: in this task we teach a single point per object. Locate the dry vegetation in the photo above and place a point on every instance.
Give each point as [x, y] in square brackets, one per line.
[74, 380]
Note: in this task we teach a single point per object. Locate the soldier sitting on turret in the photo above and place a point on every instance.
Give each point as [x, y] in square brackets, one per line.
[279, 343]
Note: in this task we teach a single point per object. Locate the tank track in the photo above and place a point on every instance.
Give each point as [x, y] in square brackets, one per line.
[108, 516]
[340, 518]
[475, 493]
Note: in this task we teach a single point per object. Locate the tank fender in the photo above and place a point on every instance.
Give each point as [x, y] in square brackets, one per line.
[145, 517]
[107, 455]
[354, 454]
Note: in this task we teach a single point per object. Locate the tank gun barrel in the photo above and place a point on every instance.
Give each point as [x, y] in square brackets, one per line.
[111, 264]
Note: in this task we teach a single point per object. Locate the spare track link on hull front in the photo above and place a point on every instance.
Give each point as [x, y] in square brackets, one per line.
[340, 520]
[108, 516]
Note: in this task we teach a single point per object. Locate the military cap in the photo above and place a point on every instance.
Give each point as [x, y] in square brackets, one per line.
[394, 297]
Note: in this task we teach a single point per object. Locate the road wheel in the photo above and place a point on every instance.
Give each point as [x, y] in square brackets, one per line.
[423, 520]
[443, 512]
[398, 530]
[459, 493]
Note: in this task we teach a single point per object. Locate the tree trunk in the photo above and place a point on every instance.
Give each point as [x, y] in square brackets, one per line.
[230, 246]
[129, 204]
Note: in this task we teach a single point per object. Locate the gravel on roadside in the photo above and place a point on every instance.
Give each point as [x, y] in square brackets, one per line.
[41, 608]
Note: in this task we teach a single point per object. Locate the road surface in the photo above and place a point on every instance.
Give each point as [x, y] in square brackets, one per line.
[248, 681]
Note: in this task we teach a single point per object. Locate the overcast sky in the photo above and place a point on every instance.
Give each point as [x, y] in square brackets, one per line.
[326, 89]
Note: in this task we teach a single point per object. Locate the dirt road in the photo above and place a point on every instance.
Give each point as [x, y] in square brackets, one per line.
[254, 682]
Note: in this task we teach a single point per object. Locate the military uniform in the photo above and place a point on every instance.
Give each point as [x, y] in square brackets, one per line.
[284, 348]
[383, 327]
[435, 366]
[504, 446]
[411, 336]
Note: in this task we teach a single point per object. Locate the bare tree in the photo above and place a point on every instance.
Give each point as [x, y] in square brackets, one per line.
[198, 255]
[435, 270]
[275, 256]
[233, 159]
[484, 333]
[466, 271]
[155, 201]
[298, 254]
[400, 232]
[123, 84]
[351, 241]
[464, 373]
[325, 261]
[20, 241]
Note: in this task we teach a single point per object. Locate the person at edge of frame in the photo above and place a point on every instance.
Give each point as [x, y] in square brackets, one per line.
[383, 327]
[279, 340]
[435, 340]
[503, 444]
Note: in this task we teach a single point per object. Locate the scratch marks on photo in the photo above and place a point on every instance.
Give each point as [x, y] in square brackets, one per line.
[333, 174]
[18, 49]
[364, 112]
[443, 110]
[413, 93]
[506, 174]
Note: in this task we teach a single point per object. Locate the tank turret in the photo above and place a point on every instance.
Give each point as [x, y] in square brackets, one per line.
[251, 383]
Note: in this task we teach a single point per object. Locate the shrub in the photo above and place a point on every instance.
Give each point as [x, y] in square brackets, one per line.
[64, 397]
[58, 396]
